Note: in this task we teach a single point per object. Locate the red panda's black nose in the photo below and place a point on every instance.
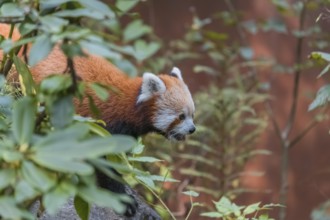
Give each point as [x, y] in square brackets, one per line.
[192, 130]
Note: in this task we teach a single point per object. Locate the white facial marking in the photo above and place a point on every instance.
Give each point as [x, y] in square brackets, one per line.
[164, 118]
[151, 85]
[177, 72]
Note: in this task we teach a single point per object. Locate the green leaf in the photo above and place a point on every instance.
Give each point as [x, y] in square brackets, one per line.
[100, 50]
[144, 159]
[163, 179]
[251, 208]
[24, 71]
[191, 193]
[53, 24]
[322, 98]
[7, 177]
[146, 180]
[324, 71]
[55, 199]
[24, 116]
[55, 84]
[24, 191]
[82, 208]
[100, 90]
[320, 55]
[212, 214]
[103, 198]
[98, 6]
[63, 165]
[11, 10]
[80, 12]
[91, 148]
[62, 111]
[246, 52]
[37, 177]
[144, 50]
[124, 6]
[9, 210]
[135, 29]
[41, 47]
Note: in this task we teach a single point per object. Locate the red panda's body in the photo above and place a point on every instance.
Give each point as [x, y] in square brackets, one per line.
[143, 104]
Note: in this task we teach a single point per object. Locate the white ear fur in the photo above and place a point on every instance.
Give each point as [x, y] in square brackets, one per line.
[176, 72]
[151, 85]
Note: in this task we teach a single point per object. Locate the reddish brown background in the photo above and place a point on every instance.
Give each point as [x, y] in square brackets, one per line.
[309, 164]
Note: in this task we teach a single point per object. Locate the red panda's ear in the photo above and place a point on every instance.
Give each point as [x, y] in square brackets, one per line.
[151, 85]
[176, 72]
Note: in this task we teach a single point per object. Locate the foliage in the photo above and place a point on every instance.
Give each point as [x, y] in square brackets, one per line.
[227, 210]
[47, 152]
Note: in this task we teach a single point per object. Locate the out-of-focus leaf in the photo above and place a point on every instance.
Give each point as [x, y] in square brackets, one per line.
[55, 199]
[11, 10]
[55, 83]
[24, 191]
[146, 180]
[144, 50]
[322, 98]
[40, 49]
[80, 12]
[62, 111]
[98, 6]
[7, 176]
[246, 52]
[53, 24]
[251, 208]
[135, 30]
[63, 165]
[101, 91]
[9, 209]
[82, 208]
[24, 115]
[191, 193]
[320, 55]
[23, 70]
[212, 214]
[103, 198]
[100, 50]
[144, 159]
[125, 6]
[37, 177]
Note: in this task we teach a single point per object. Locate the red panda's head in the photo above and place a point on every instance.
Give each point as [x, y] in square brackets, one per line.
[174, 106]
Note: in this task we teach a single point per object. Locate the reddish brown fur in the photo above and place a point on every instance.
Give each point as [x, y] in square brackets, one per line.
[119, 107]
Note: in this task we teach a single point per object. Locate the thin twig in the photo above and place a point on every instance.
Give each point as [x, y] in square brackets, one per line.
[73, 74]
[303, 133]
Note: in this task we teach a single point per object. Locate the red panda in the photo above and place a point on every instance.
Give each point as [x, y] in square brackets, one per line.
[150, 103]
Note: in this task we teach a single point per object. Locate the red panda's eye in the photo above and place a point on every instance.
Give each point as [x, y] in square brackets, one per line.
[182, 117]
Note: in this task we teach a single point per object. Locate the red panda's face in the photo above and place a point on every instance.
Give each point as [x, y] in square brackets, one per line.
[174, 106]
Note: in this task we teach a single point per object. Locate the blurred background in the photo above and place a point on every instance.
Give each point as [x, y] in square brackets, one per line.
[253, 68]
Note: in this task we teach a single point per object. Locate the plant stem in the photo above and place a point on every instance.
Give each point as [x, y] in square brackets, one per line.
[4, 64]
[290, 122]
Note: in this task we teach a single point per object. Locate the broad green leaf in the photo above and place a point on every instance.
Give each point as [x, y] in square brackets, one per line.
[135, 29]
[9, 210]
[24, 191]
[144, 159]
[11, 10]
[55, 84]
[82, 208]
[24, 116]
[62, 111]
[146, 180]
[124, 5]
[91, 148]
[68, 135]
[212, 214]
[40, 49]
[204, 69]
[251, 208]
[98, 6]
[320, 55]
[53, 24]
[191, 193]
[80, 12]
[103, 198]
[101, 91]
[7, 177]
[322, 98]
[246, 52]
[63, 165]
[12, 156]
[55, 199]
[144, 50]
[99, 49]
[23, 70]
[37, 177]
